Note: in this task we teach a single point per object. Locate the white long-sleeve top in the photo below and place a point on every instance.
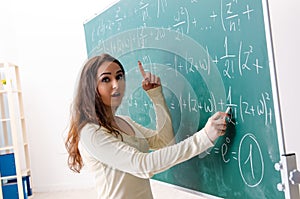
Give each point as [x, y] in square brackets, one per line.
[123, 168]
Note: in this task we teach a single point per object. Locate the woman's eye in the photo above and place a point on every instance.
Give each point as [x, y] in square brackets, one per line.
[120, 76]
[105, 79]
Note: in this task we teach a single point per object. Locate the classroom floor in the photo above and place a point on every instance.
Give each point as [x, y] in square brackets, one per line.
[160, 191]
[74, 194]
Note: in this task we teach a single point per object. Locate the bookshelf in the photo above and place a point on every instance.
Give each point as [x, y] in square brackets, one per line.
[14, 152]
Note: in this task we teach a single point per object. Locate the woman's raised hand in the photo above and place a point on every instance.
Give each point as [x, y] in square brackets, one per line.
[149, 80]
[216, 125]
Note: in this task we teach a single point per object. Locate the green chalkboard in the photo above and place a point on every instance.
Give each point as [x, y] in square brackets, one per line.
[210, 54]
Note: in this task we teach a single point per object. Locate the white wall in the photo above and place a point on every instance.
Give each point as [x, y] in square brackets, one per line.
[46, 39]
[286, 36]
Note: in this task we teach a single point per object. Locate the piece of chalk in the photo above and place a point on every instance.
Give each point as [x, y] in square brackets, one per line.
[228, 110]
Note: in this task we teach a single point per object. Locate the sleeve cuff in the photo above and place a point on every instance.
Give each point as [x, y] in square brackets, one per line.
[154, 92]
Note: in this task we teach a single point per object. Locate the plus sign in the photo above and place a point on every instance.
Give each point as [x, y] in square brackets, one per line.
[257, 66]
[248, 12]
[213, 16]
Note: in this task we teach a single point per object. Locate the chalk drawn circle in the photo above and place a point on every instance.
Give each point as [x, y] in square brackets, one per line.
[144, 38]
[176, 86]
[250, 181]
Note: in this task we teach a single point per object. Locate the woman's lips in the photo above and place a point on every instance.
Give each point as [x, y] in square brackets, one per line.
[115, 94]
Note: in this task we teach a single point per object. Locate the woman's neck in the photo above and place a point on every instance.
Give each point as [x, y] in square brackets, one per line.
[110, 113]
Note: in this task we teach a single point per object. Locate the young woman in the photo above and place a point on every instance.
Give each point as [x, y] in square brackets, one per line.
[115, 147]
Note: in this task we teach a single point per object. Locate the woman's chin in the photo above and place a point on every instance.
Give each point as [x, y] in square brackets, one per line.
[116, 102]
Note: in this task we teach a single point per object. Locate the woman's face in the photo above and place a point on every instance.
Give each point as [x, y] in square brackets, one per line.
[111, 84]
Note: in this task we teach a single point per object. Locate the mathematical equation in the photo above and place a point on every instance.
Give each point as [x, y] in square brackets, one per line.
[242, 109]
[232, 60]
[248, 157]
[226, 16]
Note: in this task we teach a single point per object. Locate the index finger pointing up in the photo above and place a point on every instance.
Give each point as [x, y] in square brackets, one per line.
[142, 69]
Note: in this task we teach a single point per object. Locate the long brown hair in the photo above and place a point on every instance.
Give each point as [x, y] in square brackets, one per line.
[87, 107]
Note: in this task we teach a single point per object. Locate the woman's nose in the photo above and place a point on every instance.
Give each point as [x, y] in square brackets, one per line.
[115, 85]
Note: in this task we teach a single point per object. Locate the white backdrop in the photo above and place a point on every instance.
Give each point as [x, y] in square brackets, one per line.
[46, 39]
